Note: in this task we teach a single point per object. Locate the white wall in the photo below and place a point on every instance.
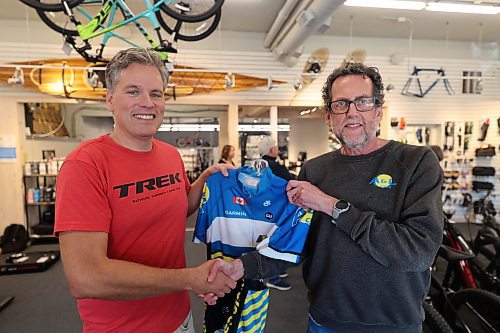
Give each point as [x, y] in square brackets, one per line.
[11, 195]
[309, 135]
[243, 53]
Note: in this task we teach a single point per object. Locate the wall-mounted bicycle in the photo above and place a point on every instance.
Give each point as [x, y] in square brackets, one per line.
[87, 25]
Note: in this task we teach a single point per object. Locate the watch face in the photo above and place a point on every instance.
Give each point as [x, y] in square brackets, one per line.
[341, 204]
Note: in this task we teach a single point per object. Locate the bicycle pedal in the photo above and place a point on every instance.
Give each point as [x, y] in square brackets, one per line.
[166, 48]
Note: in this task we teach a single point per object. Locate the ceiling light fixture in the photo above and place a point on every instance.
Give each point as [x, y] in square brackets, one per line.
[262, 128]
[462, 8]
[424, 5]
[392, 4]
[189, 128]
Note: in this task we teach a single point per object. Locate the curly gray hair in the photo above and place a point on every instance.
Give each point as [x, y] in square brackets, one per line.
[355, 69]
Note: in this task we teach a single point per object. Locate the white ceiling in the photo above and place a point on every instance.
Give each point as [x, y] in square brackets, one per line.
[258, 16]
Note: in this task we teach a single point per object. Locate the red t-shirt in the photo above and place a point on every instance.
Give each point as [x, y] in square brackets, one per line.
[140, 200]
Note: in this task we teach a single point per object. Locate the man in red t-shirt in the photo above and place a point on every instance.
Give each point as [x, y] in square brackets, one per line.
[122, 202]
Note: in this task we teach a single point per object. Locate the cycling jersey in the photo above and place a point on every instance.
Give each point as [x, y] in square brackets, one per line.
[239, 214]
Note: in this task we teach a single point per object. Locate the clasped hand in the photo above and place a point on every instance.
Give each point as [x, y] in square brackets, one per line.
[221, 279]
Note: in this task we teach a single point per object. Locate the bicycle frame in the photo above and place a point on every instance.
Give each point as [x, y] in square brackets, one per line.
[96, 27]
[456, 241]
[422, 93]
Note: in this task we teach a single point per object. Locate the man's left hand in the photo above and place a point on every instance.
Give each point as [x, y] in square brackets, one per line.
[219, 167]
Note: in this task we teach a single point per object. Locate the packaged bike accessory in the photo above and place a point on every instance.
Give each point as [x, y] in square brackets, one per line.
[485, 151]
[477, 186]
[483, 171]
[484, 129]
[467, 199]
[449, 133]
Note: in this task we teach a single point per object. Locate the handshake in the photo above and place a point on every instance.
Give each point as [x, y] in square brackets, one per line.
[215, 278]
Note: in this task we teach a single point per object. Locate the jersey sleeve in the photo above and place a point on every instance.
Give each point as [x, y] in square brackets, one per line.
[288, 237]
[203, 218]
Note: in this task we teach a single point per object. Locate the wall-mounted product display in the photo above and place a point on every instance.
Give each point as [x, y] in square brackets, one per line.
[196, 160]
[416, 134]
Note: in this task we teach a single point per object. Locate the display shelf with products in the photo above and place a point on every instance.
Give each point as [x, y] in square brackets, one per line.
[39, 188]
[196, 160]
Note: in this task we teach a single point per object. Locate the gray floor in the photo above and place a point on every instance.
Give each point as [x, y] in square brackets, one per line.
[42, 302]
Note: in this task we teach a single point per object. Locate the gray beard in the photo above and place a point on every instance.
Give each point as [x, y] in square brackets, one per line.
[353, 144]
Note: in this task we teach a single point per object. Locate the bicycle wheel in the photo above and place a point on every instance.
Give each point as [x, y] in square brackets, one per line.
[51, 5]
[60, 22]
[475, 310]
[191, 10]
[189, 32]
[181, 142]
[434, 322]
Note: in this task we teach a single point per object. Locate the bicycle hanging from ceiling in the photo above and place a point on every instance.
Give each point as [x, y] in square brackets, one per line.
[87, 25]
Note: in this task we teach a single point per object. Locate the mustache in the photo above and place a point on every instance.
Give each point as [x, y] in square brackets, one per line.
[353, 122]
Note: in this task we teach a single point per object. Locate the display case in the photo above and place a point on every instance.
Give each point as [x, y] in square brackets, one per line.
[39, 204]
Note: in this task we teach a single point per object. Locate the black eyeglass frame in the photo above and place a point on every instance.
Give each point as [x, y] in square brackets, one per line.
[353, 101]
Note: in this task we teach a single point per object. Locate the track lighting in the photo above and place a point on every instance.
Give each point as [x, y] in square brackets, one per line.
[308, 111]
[435, 6]
[17, 77]
[94, 80]
[297, 85]
[229, 80]
[270, 84]
[315, 67]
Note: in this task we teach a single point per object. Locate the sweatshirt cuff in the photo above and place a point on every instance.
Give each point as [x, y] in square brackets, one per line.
[347, 220]
[251, 265]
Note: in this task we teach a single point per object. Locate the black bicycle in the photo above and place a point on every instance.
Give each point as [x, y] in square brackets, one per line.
[466, 310]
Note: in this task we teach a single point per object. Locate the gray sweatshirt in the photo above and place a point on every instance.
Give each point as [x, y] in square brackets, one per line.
[369, 272]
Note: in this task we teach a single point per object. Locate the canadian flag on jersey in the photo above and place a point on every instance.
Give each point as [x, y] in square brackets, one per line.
[239, 200]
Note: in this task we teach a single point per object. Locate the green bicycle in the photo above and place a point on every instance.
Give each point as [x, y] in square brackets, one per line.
[81, 22]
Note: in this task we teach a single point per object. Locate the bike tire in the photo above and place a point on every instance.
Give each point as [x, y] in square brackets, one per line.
[50, 7]
[181, 142]
[434, 322]
[197, 16]
[190, 38]
[469, 304]
[54, 26]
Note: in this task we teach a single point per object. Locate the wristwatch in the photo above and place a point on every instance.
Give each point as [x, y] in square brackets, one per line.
[338, 208]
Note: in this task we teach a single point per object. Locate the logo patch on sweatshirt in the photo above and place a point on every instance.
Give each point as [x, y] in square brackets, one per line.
[383, 181]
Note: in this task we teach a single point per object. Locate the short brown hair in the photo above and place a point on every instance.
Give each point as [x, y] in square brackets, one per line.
[225, 151]
[125, 58]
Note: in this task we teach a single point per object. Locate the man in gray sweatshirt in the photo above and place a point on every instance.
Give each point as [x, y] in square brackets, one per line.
[378, 218]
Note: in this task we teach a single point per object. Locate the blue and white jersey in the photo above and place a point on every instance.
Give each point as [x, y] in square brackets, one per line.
[244, 212]
[237, 215]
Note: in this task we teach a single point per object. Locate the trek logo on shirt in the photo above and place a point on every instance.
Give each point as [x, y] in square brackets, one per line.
[383, 181]
[149, 184]
[239, 201]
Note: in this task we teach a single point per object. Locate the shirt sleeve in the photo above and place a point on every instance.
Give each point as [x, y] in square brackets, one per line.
[203, 218]
[82, 203]
[287, 239]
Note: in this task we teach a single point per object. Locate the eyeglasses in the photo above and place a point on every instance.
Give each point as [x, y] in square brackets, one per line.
[362, 104]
